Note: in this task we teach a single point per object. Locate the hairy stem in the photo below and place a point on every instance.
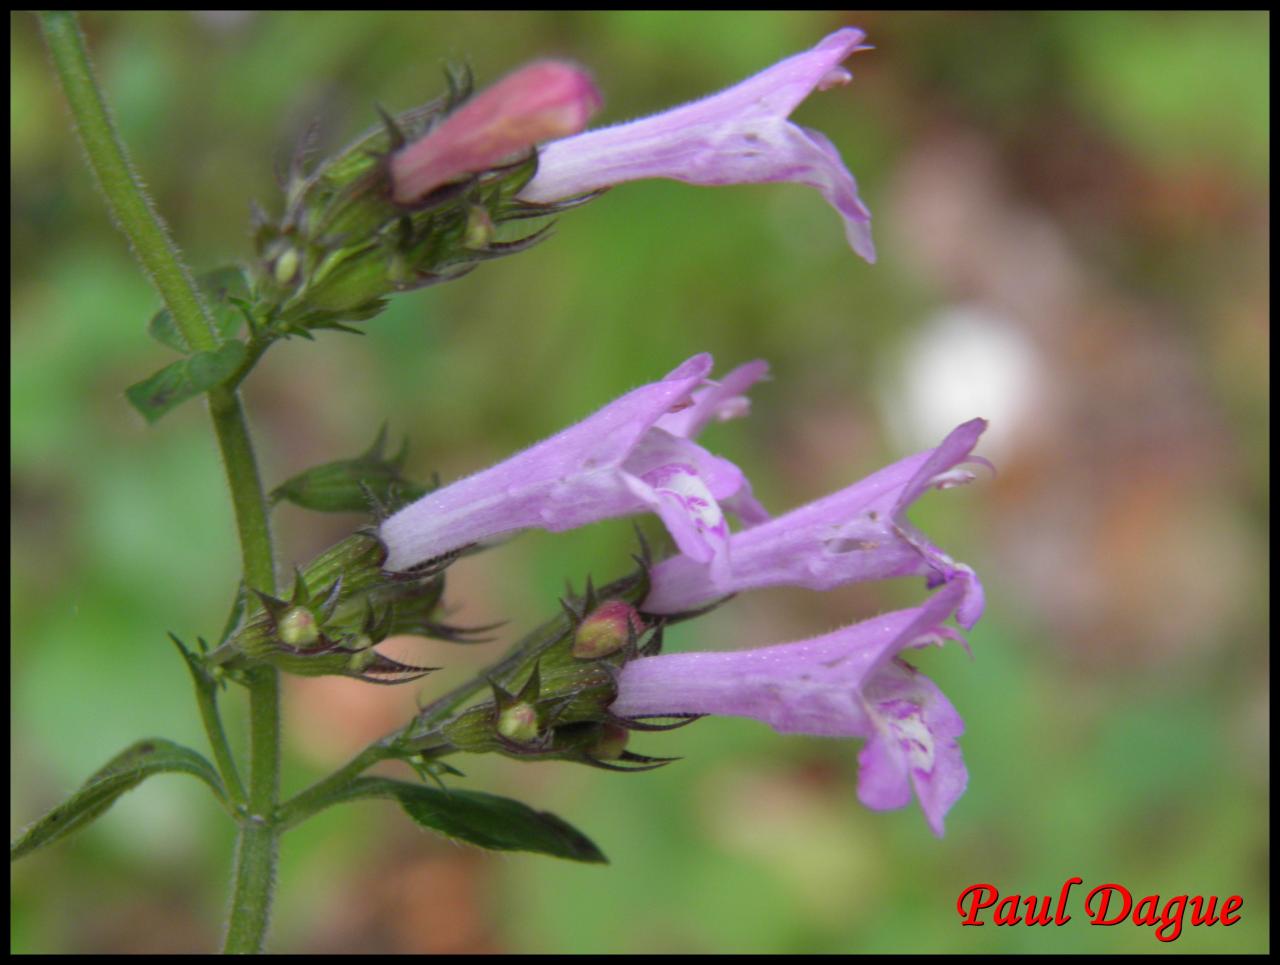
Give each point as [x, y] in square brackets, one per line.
[247, 496]
[321, 794]
[207, 698]
[121, 185]
[257, 848]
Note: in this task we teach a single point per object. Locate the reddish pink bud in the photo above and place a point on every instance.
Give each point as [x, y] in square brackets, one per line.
[607, 628]
[541, 101]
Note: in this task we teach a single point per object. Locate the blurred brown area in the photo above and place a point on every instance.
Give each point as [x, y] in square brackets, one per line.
[1119, 475]
[433, 903]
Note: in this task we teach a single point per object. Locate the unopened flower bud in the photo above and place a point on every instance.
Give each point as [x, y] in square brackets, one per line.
[349, 282]
[286, 267]
[606, 630]
[518, 723]
[539, 102]
[610, 743]
[371, 479]
[479, 231]
[299, 628]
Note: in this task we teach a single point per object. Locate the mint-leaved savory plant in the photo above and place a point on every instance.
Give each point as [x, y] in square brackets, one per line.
[424, 196]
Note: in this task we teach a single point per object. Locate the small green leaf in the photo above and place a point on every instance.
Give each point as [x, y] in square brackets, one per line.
[237, 611]
[122, 773]
[485, 820]
[200, 675]
[184, 379]
[221, 288]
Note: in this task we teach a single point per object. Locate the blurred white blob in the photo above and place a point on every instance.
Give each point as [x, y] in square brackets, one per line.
[225, 20]
[966, 361]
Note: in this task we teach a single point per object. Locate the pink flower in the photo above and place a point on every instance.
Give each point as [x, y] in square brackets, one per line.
[738, 136]
[859, 533]
[543, 100]
[635, 454]
[849, 683]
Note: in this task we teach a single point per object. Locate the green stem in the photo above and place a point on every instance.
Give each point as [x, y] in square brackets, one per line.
[257, 848]
[162, 262]
[320, 795]
[247, 496]
[133, 212]
[207, 699]
[256, 853]
[440, 708]
[255, 349]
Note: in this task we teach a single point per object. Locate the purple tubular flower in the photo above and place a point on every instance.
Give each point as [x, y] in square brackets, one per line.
[635, 454]
[848, 683]
[722, 401]
[738, 136]
[859, 533]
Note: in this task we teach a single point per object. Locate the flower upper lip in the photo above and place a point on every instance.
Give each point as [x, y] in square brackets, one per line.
[858, 533]
[740, 135]
[618, 461]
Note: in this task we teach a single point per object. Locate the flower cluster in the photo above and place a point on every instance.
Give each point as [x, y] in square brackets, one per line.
[419, 200]
[638, 454]
[423, 199]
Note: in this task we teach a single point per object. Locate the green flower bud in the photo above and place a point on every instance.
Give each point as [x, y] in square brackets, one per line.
[384, 215]
[299, 627]
[347, 280]
[371, 480]
[341, 606]
[479, 232]
[610, 743]
[357, 561]
[286, 266]
[518, 723]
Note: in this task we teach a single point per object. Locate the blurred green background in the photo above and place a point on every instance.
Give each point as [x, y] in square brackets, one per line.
[1072, 216]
